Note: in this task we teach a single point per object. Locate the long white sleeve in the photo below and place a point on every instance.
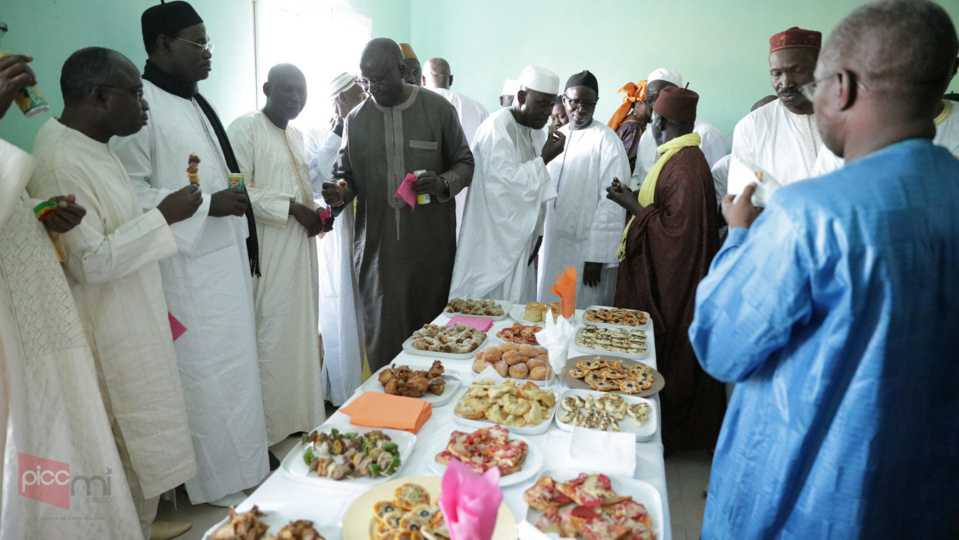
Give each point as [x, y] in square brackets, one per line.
[606, 228]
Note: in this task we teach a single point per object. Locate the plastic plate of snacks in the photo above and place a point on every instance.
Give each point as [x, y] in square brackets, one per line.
[478, 308]
[631, 342]
[611, 317]
[520, 406]
[451, 385]
[458, 342]
[531, 465]
[604, 410]
[268, 519]
[610, 372]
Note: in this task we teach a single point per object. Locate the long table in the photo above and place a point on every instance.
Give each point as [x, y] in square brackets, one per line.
[326, 504]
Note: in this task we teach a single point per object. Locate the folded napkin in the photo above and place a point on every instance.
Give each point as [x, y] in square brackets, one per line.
[470, 502]
[479, 323]
[406, 192]
[604, 452]
[176, 327]
[376, 409]
[565, 289]
[556, 336]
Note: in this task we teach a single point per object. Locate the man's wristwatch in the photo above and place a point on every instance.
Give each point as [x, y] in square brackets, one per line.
[447, 184]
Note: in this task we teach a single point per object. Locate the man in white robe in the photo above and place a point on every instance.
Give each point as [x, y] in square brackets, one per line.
[781, 137]
[508, 93]
[947, 136]
[438, 77]
[50, 402]
[113, 271]
[269, 151]
[340, 317]
[713, 143]
[505, 209]
[207, 284]
[583, 227]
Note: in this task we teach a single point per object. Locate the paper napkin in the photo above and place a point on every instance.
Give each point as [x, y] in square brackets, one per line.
[479, 323]
[604, 452]
[406, 192]
[376, 409]
[565, 289]
[470, 502]
[556, 336]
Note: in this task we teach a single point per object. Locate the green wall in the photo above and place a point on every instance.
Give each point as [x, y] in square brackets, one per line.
[720, 47]
[51, 30]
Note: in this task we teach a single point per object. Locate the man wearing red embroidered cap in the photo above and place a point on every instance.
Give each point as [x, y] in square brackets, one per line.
[781, 138]
[665, 251]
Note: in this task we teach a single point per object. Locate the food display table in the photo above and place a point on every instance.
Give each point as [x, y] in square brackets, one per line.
[326, 504]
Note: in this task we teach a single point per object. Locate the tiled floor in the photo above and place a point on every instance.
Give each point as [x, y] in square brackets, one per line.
[687, 474]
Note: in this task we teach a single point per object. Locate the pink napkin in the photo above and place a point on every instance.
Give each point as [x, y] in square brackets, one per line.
[479, 323]
[406, 192]
[470, 502]
[175, 326]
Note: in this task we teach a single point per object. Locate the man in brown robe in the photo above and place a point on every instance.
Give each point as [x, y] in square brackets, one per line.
[403, 258]
[669, 245]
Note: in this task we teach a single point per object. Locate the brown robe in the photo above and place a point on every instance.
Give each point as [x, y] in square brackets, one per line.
[403, 259]
[668, 251]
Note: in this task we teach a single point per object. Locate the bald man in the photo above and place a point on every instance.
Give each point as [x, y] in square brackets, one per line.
[270, 152]
[836, 309]
[438, 77]
[403, 259]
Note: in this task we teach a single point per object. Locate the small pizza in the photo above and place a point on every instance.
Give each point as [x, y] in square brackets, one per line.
[519, 334]
[589, 364]
[578, 373]
[630, 387]
[408, 496]
[591, 490]
[484, 449]
[604, 385]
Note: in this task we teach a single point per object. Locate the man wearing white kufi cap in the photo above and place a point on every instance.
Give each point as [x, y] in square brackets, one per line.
[503, 224]
[509, 92]
[340, 319]
[713, 143]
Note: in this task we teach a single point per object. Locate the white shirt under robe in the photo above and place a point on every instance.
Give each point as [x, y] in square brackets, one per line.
[713, 145]
[581, 223]
[504, 212]
[286, 296]
[208, 288]
[780, 142]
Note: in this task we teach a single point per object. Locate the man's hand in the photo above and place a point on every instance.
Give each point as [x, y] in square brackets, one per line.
[555, 142]
[429, 182]
[623, 196]
[181, 204]
[741, 212]
[328, 224]
[15, 75]
[334, 193]
[592, 272]
[229, 202]
[336, 125]
[66, 215]
[306, 217]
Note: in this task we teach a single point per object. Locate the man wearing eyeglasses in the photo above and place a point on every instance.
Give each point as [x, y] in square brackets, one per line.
[713, 143]
[113, 269]
[836, 309]
[582, 226]
[781, 138]
[403, 258]
[208, 282]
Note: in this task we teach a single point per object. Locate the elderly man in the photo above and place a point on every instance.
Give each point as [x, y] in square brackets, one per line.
[340, 317]
[582, 226]
[713, 143]
[666, 249]
[114, 273]
[781, 138]
[414, 72]
[403, 259]
[48, 376]
[814, 307]
[508, 93]
[269, 151]
[503, 224]
[439, 78]
[207, 284]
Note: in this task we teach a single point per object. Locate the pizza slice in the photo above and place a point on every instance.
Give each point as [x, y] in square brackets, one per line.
[591, 490]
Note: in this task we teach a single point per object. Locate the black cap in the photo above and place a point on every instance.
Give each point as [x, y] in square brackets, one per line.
[167, 19]
[583, 78]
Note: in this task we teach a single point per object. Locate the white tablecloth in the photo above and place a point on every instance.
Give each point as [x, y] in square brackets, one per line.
[326, 505]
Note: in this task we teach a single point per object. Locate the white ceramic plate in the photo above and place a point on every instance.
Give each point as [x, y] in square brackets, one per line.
[641, 492]
[506, 309]
[533, 463]
[453, 385]
[626, 425]
[295, 467]
[538, 429]
[583, 320]
[408, 347]
[517, 315]
[587, 350]
[275, 517]
[495, 329]
[356, 521]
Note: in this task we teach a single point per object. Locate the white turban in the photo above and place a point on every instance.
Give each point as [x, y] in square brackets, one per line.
[510, 87]
[540, 80]
[665, 74]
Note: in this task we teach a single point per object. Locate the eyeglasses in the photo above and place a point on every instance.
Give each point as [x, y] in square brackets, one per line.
[580, 103]
[204, 47]
[366, 84]
[136, 92]
[808, 90]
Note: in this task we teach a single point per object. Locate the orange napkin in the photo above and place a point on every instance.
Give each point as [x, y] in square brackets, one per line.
[376, 409]
[565, 289]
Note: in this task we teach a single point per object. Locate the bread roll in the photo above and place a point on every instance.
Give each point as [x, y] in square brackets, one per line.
[513, 357]
[534, 312]
[502, 368]
[479, 365]
[539, 373]
[535, 363]
[519, 371]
